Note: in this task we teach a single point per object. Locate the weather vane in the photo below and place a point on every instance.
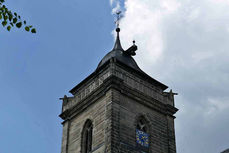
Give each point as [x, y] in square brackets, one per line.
[119, 16]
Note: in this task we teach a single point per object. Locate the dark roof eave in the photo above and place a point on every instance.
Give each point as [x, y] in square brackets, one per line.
[143, 74]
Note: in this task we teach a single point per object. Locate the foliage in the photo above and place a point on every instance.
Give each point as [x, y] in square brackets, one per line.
[9, 19]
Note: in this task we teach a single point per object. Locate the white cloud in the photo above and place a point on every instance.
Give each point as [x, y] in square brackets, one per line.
[142, 23]
[198, 57]
[221, 1]
[115, 4]
[216, 105]
[111, 2]
[184, 44]
[116, 8]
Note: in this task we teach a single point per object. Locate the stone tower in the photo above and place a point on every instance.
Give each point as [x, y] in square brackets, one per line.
[119, 109]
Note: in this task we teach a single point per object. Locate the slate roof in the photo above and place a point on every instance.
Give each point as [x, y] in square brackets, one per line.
[119, 54]
[226, 151]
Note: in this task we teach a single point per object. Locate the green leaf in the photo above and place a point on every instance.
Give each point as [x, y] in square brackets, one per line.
[0, 16]
[33, 30]
[8, 28]
[10, 16]
[11, 24]
[4, 23]
[14, 20]
[27, 28]
[5, 17]
[15, 13]
[18, 25]
[24, 22]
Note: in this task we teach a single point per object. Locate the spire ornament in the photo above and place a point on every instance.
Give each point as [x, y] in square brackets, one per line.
[119, 16]
[118, 45]
[130, 51]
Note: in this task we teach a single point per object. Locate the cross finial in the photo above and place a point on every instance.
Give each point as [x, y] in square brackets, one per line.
[117, 45]
[118, 13]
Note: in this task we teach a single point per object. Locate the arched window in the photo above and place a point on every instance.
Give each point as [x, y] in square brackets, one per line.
[142, 124]
[142, 134]
[87, 137]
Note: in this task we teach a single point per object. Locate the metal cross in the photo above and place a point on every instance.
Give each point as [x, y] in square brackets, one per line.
[119, 16]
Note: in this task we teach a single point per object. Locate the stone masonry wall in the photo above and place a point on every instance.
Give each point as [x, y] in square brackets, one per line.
[134, 81]
[114, 114]
[127, 110]
[87, 89]
[130, 79]
[72, 129]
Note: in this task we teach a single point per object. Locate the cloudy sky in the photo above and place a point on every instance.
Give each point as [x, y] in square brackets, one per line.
[183, 44]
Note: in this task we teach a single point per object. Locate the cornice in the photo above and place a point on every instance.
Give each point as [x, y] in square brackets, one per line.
[114, 82]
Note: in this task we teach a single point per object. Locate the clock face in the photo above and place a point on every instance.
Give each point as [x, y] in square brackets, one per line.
[142, 138]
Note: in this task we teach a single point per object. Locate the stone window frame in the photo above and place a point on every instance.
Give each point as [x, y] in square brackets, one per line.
[148, 131]
[87, 136]
[142, 124]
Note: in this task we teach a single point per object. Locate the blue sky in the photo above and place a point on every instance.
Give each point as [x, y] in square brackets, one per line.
[37, 69]
[183, 44]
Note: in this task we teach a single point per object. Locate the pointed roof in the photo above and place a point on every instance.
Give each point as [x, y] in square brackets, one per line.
[117, 45]
[119, 54]
[122, 57]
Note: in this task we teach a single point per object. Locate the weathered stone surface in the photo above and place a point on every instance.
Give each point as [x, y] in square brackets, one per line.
[113, 98]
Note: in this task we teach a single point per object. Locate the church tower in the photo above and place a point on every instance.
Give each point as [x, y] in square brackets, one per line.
[119, 109]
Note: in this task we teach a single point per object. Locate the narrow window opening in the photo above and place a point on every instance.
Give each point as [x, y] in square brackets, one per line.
[142, 135]
[87, 137]
[141, 125]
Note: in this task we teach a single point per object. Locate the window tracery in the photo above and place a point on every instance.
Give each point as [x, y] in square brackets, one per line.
[87, 137]
[141, 124]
